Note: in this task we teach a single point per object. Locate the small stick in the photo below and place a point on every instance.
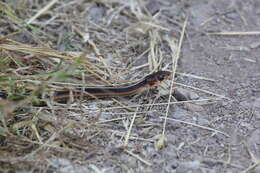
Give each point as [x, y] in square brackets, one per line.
[47, 7]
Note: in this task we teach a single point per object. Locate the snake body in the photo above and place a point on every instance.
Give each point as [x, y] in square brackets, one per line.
[149, 81]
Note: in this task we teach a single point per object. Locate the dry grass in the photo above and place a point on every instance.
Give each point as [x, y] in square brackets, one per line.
[29, 64]
[59, 44]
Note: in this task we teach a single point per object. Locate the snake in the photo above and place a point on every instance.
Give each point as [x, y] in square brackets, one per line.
[149, 81]
[145, 83]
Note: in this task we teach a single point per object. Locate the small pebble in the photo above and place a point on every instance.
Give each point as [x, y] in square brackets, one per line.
[254, 45]
[183, 95]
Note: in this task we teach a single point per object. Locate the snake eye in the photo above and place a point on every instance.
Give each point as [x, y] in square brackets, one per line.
[160, 78]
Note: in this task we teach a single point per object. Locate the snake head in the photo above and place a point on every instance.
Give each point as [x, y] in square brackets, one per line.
[156, 77]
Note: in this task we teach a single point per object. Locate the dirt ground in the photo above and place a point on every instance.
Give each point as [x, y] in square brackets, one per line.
[214, 127]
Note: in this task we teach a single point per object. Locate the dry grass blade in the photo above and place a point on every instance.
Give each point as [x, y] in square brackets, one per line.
[130, 128]
[138, 157]
[175, 59]
[154, 104]
[25, 48]
[196, 77]
[196, 125]
[238, 33]
[43, 10]
[252, 167]
[51, 139]
[153, 56]
[44, 53]
[205, 91]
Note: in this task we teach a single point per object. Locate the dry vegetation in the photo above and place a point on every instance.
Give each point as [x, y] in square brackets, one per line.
[46, 45]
